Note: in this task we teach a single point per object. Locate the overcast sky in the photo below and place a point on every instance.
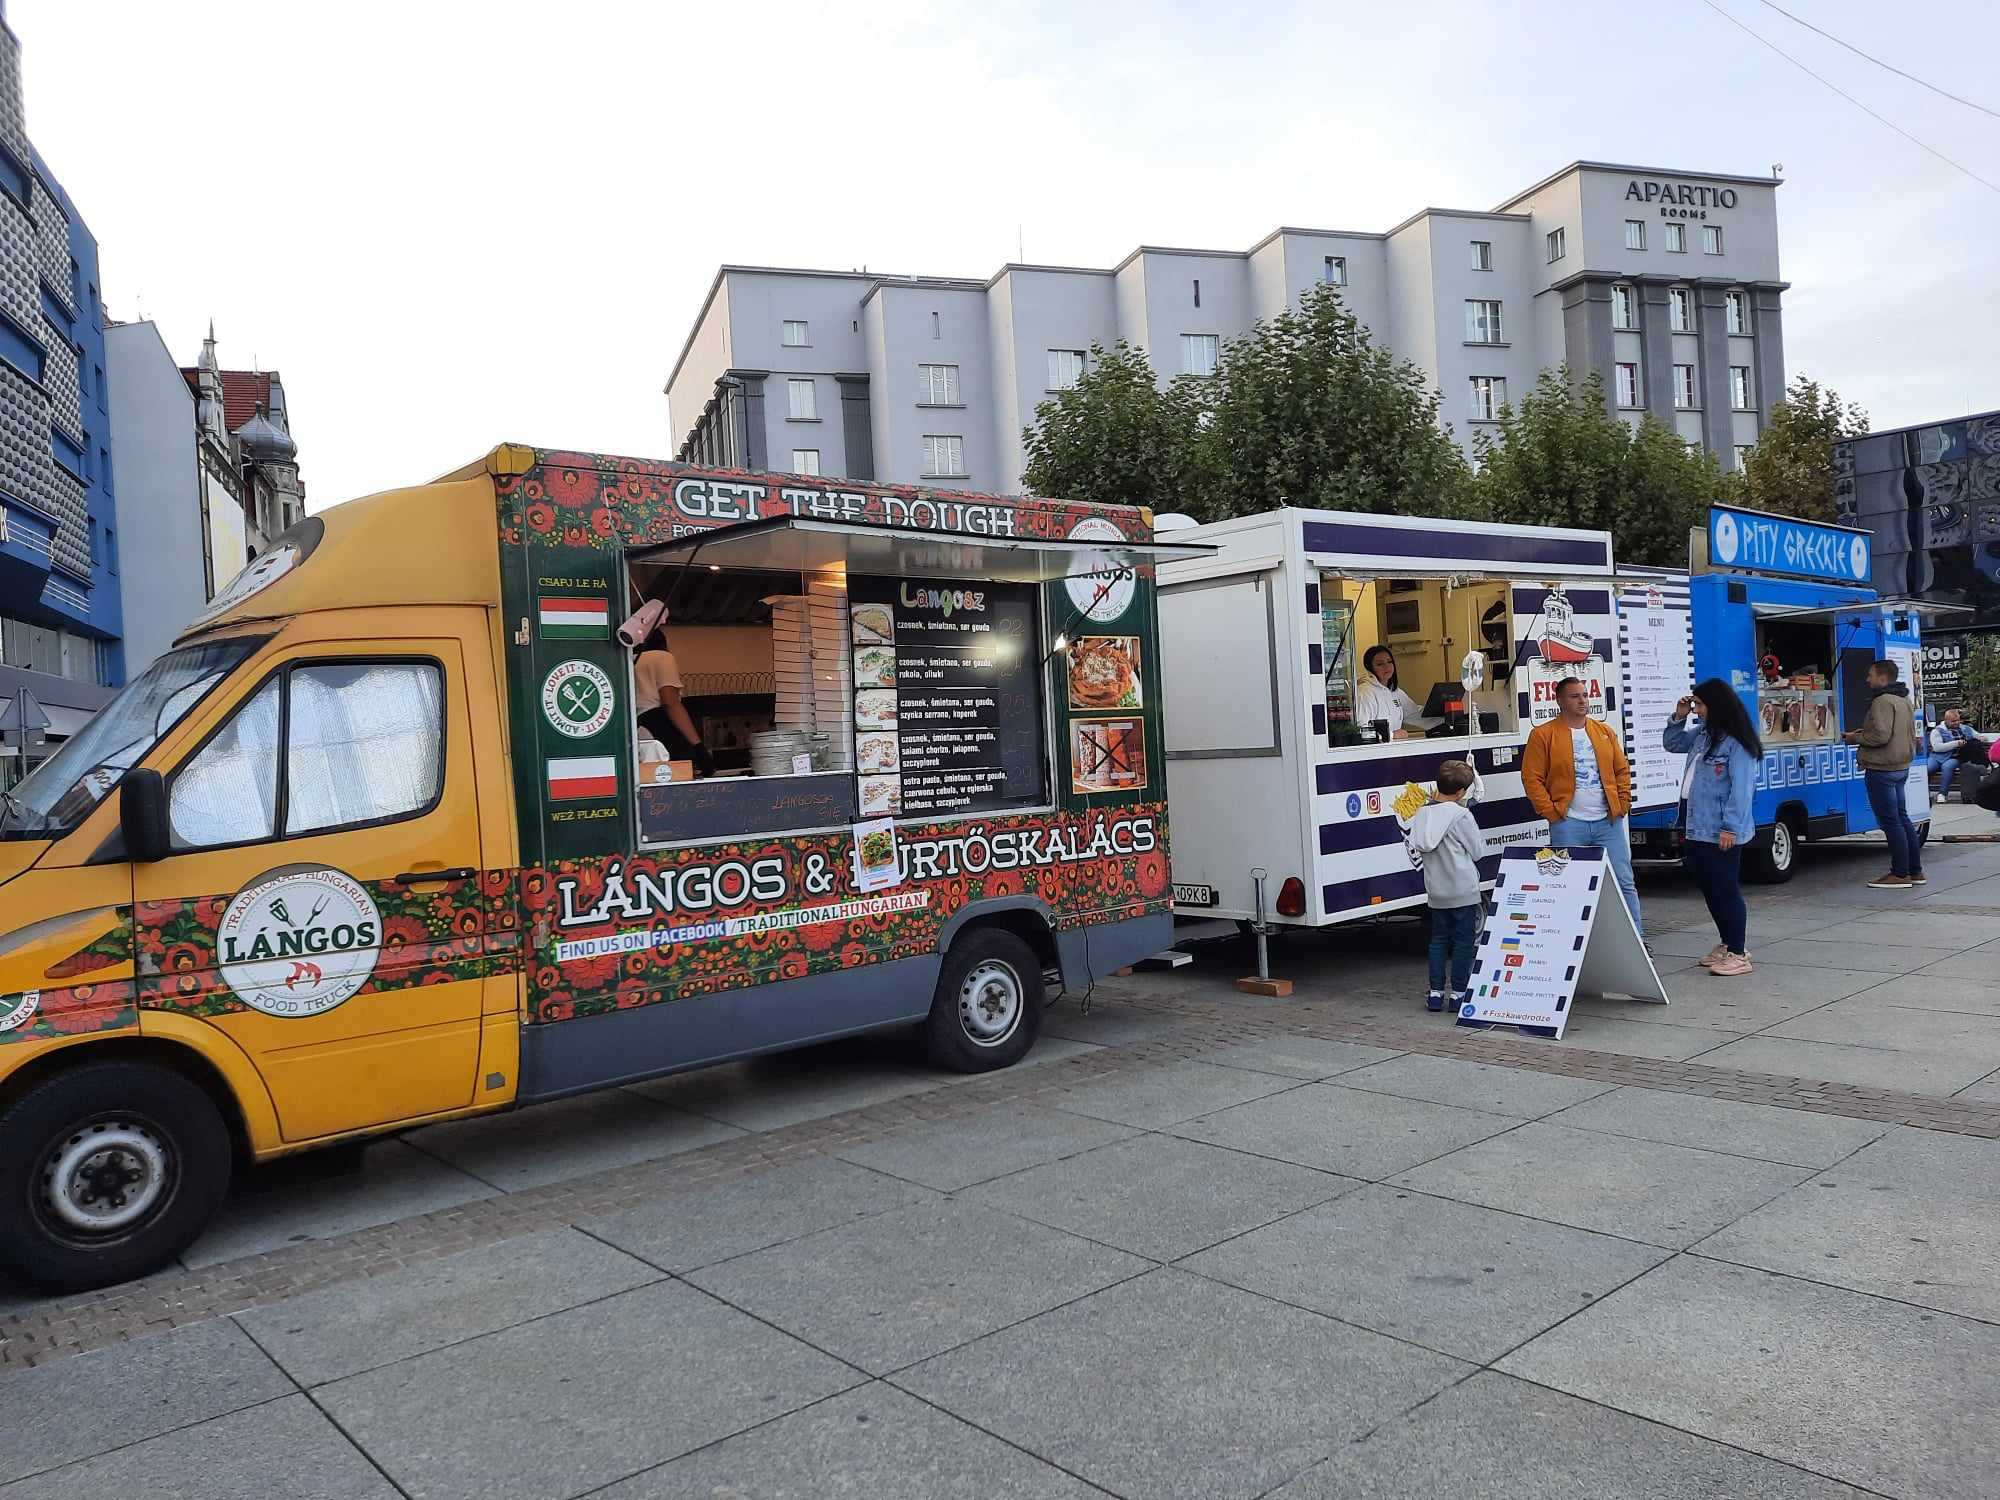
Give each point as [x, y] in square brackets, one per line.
[451, 224]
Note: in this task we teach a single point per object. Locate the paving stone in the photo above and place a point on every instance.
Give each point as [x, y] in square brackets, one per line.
[1474, 1085]
[1659, 1035]
[696, 1228]
[1663, 1195]
[1972, 997]
[1976, 964]
[1456, 1278]
[1494, 1438]
[1912, 927]
[1876, 1019]
[1172, 1386]
[901, 1286]
[574, 1401]
[1819, 951]
[997, 1140]
[1843, 1062]
[1878, 1394]
[1985, 1091]
[1297, 1056]
[77, 1408]
[247, 1455]
[356, 1326]
[1109, 1025]
[874, 1443]
[569, 1138]
[1797, 1137]
[1347, 1131]
[1164, 1096]
[1158, 1196]
[1912, 1217]
[315, 1197]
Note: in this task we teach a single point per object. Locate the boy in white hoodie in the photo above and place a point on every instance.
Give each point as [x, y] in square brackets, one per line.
[1448, 839]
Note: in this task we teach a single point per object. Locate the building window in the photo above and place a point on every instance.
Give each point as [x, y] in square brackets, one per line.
[805, 461]
[1334, 271]
[1065, 369]
[1199, 352]
[1482, 255]
[804, 400]
[1684, 387]
[944, 457]
[796, 335]
[1482, 322]
[1197, 291]
[1624, 311]
[1489, 394]
[1680, 309]
[1635, 234]
[1738, 306]
[1628, 385]
[1739, 388]
[1711, 239]
[937, 385]
[1677, 238]
[1743, 452]
[103, 395]
[1557, 246]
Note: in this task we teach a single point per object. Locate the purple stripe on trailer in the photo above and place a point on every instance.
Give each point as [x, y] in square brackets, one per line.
[1514, 548]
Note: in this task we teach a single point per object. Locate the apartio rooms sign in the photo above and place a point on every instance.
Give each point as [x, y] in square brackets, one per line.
[1679, 200]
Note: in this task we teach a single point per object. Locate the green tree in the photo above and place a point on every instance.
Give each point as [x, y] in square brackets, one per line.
[1116, 436]
[1790, 471]
[1562, 458]
[1979, 681]
[1308, 410]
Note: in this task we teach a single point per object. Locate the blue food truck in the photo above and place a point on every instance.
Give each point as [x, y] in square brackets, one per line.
[1783, 611]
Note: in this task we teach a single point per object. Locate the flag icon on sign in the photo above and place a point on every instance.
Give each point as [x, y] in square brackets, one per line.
[582, 776]
[570, 619]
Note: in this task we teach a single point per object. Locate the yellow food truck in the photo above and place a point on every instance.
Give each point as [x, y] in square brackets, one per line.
[383, 841]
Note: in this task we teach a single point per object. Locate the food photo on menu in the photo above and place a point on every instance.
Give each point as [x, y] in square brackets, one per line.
[872, 625]
[874, 666]
[881, 796]
[1107, 755]
[1104, 672]
[875, 753]
[875, 708]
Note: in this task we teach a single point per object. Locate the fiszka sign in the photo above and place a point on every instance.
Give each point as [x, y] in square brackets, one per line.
[1680, 200]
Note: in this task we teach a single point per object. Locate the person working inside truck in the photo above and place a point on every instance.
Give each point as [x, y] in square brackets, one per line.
[1955, 743]
[1577, 778]
[1380, 696]
[656, 694]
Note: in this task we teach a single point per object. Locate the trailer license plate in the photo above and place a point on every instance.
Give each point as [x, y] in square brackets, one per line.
[1196, 895]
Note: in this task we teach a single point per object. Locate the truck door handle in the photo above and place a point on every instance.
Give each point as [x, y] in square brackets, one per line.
[435, 877]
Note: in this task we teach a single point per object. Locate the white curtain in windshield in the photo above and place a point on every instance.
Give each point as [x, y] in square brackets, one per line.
[364, 743]
[228, 792]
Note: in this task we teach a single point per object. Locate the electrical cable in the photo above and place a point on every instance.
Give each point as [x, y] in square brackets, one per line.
[1991, 187]
[1870, 57]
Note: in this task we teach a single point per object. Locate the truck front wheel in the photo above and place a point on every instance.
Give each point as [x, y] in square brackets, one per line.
[106, 1172]
[988, 1007]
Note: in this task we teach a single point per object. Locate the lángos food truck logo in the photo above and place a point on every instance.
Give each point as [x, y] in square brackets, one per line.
[1100, 589]
[577, 699]
[299, 942]
[17, 1010]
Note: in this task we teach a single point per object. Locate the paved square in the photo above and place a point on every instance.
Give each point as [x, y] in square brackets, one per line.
[899, 1287]
[567, 1138]
[1159, 1196]
[1459, 1279]
[1881, 1395]
[1916, 1216]
[1796, 1137]
[1345, 1130]
[1164, 1096]
[1172, 1388]
[997, 1140]
[1473, 1085]
[1306, 1057]
[574, 1401]
[1663, 1195]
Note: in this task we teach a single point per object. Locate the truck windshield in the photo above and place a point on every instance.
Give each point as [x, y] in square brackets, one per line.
[66, 786]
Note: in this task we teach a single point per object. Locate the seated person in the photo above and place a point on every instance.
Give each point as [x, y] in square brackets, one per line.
[1380, 696]
[1954, 743]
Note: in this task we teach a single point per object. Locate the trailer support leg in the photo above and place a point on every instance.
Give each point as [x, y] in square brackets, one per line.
[1262, 983]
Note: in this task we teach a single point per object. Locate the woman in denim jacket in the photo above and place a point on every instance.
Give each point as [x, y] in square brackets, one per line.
[1722, 752]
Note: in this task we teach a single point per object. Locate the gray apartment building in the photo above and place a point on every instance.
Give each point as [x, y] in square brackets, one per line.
[1664, 282]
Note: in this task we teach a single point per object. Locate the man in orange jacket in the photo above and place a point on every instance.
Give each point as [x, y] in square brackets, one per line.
[1576, 775]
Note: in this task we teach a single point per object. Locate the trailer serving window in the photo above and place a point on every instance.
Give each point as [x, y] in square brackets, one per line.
[1426, 625]
[907, 674]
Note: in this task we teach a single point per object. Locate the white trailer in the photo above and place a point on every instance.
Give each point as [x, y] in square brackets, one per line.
[1261, 646]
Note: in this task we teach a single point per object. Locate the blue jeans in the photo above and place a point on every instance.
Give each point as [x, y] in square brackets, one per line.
[1610, 835]
[1454, 934]
[1885, 800]
[1720, 876]
[1947, 768]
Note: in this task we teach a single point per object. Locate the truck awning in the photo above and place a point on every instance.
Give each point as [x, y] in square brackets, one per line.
[798, 544]
[1806, 613]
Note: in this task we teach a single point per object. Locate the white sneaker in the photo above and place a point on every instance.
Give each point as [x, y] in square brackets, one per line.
[1936, 797]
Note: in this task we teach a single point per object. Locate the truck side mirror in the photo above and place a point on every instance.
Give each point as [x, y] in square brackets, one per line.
[142, 815]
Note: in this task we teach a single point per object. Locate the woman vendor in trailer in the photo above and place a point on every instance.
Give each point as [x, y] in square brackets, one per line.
[1380, 696]
[656, 695]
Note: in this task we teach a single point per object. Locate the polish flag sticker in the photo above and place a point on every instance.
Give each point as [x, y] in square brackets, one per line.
[582, 776]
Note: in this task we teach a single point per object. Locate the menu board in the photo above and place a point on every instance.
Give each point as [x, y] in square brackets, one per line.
[1107, 736]
[947, 715]
[1658, 672]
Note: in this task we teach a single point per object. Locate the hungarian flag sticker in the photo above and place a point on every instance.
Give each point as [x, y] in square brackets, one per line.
[573, 619]
[582, 776]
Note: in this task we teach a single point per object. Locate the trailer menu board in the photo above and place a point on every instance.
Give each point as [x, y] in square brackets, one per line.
[947, 711]
[1657, 649]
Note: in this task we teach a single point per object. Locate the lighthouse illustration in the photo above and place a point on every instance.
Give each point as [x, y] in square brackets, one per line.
[1562, 643]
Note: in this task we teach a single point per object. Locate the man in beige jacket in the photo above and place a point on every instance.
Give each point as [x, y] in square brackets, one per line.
[1888, 741]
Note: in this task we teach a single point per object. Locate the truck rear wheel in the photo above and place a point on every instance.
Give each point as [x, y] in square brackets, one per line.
[988, 1007]
[106, 1172]
[1771, 859]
